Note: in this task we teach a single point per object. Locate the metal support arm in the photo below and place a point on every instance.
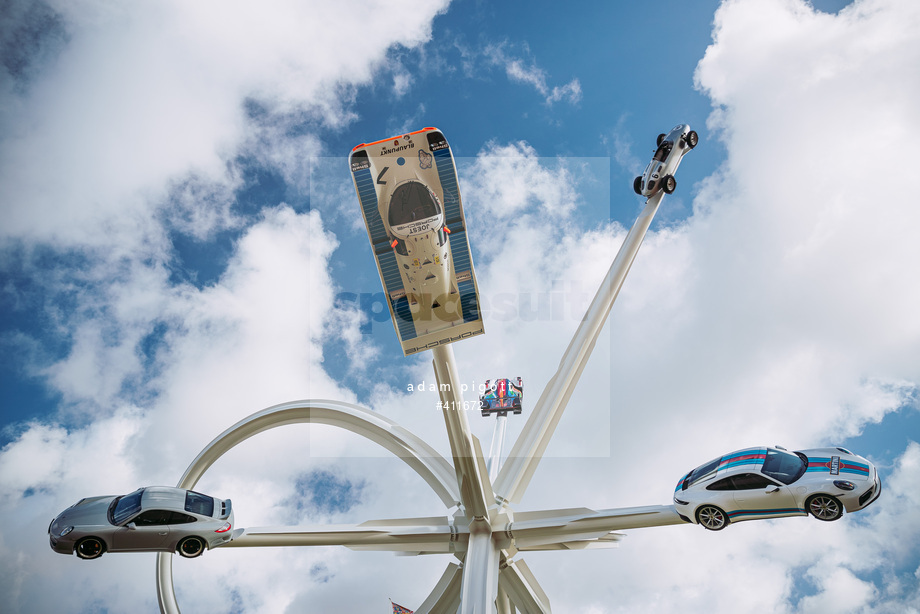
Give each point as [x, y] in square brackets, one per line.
[528, 450]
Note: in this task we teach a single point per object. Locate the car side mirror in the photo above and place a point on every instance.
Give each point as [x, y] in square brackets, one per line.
[772, 489]
[131, 526]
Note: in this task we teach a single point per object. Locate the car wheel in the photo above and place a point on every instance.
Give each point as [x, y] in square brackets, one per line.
[190, 547]
[692, 139]
[669, 184]
[659, 139]
[90, 548]
[824, 507]
[637, 185]
[711, 517]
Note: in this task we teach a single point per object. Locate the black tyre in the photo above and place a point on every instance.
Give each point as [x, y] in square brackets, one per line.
[668, 184]
[824, 507]
[90, 548]
[692, 139]
[659, 139]
[190, 547]
[712, 518]
[637, 185]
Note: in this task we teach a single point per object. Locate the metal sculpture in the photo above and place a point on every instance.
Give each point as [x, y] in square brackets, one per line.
[485, 532]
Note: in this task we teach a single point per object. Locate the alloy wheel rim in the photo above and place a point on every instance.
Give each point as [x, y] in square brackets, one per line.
[711, 517]
[824, 507]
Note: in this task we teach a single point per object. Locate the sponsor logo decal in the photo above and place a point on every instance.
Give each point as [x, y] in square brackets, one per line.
[834, 465]
[384, 151]
[445, 341]
[419, 227]
[424, 159]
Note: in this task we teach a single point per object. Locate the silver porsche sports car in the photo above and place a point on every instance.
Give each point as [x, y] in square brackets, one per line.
[156, 518]
[772, 482]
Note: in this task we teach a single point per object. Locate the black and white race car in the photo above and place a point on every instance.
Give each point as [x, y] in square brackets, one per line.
[659, 174]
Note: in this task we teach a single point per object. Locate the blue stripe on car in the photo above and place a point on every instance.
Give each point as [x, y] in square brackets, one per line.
[790, 510]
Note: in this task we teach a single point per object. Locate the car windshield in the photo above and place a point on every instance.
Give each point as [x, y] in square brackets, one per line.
[701, 472]
[198, 503]
[784, 466]
[126, 506]
[412, 202]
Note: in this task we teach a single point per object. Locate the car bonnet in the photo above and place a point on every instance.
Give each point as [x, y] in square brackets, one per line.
[90, 511]
[835, 462]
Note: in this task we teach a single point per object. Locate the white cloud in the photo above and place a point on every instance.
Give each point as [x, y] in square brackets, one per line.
[244, 343]
[791, 320]
[780, 312]
[142, 96]
[133, 130]
[622, 146]
[510, 181]
[841, 591]
[570, 92]
[525, 70]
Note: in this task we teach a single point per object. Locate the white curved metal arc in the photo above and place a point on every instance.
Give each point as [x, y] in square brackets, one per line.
[424, 459]
[528, 450]
[445, 598]
[166, 592]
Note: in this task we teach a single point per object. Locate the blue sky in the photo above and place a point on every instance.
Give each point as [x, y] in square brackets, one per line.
[183, 246]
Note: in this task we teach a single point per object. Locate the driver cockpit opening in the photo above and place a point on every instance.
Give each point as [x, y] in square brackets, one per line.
[661, 154]
[412, 201]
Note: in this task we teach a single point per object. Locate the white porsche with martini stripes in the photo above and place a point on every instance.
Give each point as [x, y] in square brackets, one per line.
[771, 482]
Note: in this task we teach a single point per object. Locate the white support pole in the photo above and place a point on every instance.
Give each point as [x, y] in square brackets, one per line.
[480, 571]
[528, 450]
[479, 587]
[475, 487]
[408, 536]
[583, 528]
[503, 603]
[498, 443]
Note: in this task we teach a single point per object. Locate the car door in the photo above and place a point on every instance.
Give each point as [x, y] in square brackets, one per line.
[149, 530]
[757, 496]
[181, 526]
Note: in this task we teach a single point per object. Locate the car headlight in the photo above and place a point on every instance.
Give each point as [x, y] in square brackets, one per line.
[66, 530]
[679, 502]
[844, 485]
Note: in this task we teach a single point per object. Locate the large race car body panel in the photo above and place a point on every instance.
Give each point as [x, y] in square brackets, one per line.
[410, 200]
